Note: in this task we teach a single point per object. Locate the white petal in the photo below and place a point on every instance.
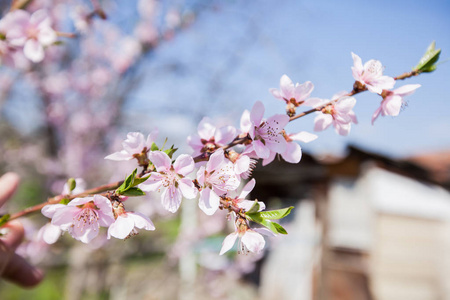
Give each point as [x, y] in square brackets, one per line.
[206, 129]
[187, 188]
[228, 242]
[49, 210]
[141, 221]
[209, 201]
[257, 113]
[122, 227]
[171, 199]
[184, 164]
[161, 160]
[51, 233]
[253, 241]
[247, 188]
[293, 153]
[118, 156]
[303, 136]
[322, 122]
[33, 50]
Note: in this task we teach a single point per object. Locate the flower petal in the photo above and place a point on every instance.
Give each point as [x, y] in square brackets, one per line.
[122, 227]
[247, 189]
[253, 241]
[209, 201]
[228, 242]
[184, 164]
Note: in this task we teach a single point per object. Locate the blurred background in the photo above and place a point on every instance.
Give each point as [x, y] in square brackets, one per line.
[372, 209]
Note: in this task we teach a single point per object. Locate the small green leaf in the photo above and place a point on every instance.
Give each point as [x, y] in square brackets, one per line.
[132, 192]
[170, 151]
[274, 227]
[154, 147]
[279, 228]
[72, 184]
[4, 219]
[64, 201]
[428, 60]
[254, 209]
[276, 214]
[128, 183]
[138, 180]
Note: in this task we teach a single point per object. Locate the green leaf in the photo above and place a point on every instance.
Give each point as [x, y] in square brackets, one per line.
[279, 228]
[128, 183]
[4, 219]
[64, 201]
[132, 192]
[274, 227]
[170, 151]
[254, 209]
[138, 180]
[72, 184]
[154, 147]
[428, 60]
[276, 214]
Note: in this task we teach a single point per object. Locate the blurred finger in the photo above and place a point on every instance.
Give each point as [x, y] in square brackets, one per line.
[5, 255]
[14, 236]
[19, 271]
[8, 185]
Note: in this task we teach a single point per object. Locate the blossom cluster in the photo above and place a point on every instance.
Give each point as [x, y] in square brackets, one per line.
[224, 157]
[25, 35]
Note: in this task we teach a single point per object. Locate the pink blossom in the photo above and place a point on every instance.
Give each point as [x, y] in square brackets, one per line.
[216, 178]
[267, 134]
[289, 92]
[240, 200]
[209, 137]
[249, 240]
[393, 100]
[371, 75]
[33, 32]
[339, 113]
[126, 224]
[171, 179]
[293, 153]
[134, 145]
[82, 217]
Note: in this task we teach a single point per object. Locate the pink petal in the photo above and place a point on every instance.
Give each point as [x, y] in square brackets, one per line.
[184, 164]
[141, 221]
[225, 135]
[187, 188]
[80, 201]
[33, 50]
[228, 242]
[206, 129]
[376, 114]
[84, 234]
[343, 129]
[293, 153]
[171, 199]
[247, 189]
[118, 156]
[209, 201]
[357, 65]
[269, 159]
[242, 164]
[257, 113]
[215, 160]
[261, 150]
[303, 91]
[39, 16]
[345, 105]
[315, 102]
[245, 122]
[151, 138]
[103, 203]
[51, 233]
[276, 93]
[47, 36]
[122, 227]
[201, 175]
[392, 105]
[161, 160]
[64, 217]
[287, 87]
[322, 122]
[406, 89]
[49, 210]
[153, 183]
[303, 136]
[253, 241]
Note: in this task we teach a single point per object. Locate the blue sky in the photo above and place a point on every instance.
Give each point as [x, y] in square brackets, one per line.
[232, 55]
